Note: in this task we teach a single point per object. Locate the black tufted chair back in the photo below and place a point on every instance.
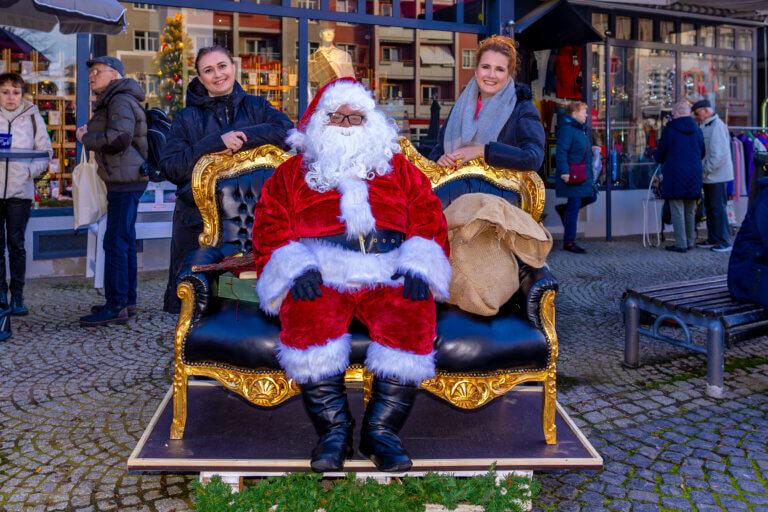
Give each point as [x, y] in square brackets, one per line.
[236, 199]
[447, 192]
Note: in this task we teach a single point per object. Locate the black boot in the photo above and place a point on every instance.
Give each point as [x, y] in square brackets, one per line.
[326, 405]
[389, 407]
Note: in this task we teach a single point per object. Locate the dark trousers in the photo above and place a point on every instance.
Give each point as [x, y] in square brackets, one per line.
[715, 201]
[14, 216]
[183, 240]
[571, 216]
[120, 249]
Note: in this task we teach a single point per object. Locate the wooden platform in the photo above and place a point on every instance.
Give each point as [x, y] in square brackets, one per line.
[225, 433]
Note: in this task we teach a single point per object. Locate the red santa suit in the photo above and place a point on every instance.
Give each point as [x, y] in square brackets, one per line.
[290, 222]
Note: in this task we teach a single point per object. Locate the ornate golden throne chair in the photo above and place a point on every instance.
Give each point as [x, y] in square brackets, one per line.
[478, 358]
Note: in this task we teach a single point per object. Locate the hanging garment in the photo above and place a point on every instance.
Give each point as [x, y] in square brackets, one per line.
[568, 66]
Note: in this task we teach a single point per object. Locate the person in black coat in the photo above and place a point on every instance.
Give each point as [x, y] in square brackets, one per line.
[494, 117]
[748, 266]
[219, 117]
[680, 151]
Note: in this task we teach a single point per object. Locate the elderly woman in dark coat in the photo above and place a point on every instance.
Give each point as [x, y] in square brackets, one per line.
[219, 117]
[573, 148]
[494, 117]
[680, 151]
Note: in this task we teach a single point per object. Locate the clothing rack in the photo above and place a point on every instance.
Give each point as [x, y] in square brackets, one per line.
[749, 128]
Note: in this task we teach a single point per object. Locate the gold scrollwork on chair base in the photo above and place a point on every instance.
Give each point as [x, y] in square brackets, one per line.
[549, 398]
[265, 389]
[473, 391]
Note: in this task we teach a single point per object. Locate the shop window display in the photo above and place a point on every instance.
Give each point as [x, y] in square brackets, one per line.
[411, 68]
[257, 43]
[46, 62]
[725, 81]
[667, 32]
[642, 83]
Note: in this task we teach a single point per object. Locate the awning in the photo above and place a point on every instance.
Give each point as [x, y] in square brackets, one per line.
[9, 40]
[554, 24]
[436, 55]
[72, 16]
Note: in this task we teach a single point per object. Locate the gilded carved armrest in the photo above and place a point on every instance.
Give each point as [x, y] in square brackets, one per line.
[534, 282]
[200, 281]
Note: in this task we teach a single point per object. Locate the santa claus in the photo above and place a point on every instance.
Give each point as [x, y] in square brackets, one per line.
[350, 228]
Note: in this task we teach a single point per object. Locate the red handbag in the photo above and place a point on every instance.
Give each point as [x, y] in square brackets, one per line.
[577, 173]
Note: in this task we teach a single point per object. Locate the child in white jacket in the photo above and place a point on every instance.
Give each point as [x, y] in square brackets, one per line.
[23, 121]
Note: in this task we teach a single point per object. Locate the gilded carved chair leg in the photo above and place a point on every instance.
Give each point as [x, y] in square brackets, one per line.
[549, 409]
[186, 293]
[367, 387]
[179, 404]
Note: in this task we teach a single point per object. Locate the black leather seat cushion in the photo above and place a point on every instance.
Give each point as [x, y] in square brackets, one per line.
[242, 336]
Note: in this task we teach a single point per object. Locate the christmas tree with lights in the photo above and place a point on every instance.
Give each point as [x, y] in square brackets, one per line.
[171, 60]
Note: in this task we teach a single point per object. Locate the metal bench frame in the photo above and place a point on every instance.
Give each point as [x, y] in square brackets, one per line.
[701, 303]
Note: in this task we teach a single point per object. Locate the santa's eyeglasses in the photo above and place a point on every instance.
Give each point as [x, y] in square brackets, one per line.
[338, 118]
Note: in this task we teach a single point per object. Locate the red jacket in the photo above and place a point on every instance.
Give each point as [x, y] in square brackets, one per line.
[289, 211]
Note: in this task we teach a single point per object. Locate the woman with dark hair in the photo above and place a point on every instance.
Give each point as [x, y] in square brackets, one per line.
[494, 117]
[219, 117]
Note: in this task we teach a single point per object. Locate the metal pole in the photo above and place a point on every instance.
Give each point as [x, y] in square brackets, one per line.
[609, 152]
[82, 88]
[303, 65]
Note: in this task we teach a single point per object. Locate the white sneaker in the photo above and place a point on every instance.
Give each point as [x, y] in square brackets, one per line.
[722, 248]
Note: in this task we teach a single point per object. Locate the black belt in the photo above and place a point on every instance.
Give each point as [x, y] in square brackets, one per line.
[377, 242]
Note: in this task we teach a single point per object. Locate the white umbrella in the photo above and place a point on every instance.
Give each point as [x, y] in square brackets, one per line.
[72, 16]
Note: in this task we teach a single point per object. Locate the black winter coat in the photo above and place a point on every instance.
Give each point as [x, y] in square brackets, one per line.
[520, 144]
[117, 134]
[197, 129]
[680, 151]
[748, 266]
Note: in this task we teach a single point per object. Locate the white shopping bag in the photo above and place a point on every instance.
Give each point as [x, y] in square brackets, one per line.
[88, 192]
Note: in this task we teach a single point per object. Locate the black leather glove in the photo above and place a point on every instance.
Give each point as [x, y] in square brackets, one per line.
[307, 285]
[414, 287]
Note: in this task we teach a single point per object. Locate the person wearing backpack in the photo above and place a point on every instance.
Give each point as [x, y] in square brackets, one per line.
[21, 119]
[117, 134]
[219, 117]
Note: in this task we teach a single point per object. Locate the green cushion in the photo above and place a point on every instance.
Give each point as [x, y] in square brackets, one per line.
[231, 287]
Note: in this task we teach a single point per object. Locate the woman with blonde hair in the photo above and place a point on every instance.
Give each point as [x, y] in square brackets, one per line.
[494, 117]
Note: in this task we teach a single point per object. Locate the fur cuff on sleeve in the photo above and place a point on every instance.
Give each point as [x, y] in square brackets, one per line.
[427, 259]
[284, 266]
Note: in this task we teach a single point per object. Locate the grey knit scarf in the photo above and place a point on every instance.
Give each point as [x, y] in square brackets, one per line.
[463, 129]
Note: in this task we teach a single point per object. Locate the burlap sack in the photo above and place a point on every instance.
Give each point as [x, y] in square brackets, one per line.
[486, 232]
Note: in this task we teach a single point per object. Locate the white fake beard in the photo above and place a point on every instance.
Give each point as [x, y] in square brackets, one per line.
[334, 153]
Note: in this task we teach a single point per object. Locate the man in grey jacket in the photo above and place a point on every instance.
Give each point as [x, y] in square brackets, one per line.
[117, 134]
[718, 171]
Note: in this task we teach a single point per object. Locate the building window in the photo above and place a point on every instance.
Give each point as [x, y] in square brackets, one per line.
[350, 49]
[390, 54]
[392, 91]
[346, 6]
[687, 34]
[726, 38]
[645, 29]
[144, 41]
[623, 27]
[667, 32]
[306, 4]
[429, 93]
[312, 49]
[143, 7]
[385, 9]
[744, 39]
[707, 36]
[600, 22]
[203, 42]
[468, 59]
[733, 87]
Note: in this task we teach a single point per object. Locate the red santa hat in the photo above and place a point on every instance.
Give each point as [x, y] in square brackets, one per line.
[341, 91]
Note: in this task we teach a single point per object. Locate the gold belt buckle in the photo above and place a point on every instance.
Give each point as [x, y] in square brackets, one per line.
[361, 239]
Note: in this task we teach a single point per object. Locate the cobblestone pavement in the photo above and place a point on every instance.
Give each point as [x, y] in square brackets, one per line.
[73, 402]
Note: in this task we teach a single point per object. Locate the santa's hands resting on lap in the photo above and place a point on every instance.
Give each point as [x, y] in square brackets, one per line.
[307, 285]
[414, 287]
